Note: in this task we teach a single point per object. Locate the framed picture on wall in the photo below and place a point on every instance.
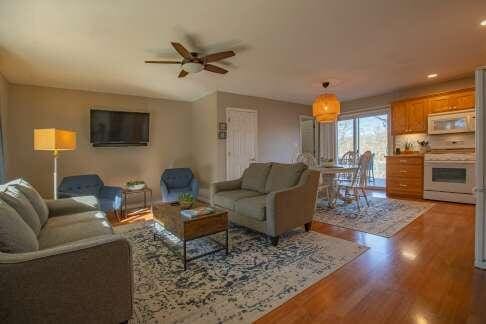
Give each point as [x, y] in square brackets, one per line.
[221, 135]
[222, 126]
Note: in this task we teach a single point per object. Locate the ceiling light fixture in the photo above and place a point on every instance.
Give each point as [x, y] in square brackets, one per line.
[326, 107]
[483, 23]
[433, 75]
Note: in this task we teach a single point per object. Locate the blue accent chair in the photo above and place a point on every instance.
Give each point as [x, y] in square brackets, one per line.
[110, 198]
[173, 182]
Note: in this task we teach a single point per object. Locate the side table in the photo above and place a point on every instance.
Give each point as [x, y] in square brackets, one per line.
[126, 192]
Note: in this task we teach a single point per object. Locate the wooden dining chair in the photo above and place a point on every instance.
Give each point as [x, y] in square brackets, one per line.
[356, 187]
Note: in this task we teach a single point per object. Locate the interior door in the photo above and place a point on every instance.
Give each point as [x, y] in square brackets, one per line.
[241, 142]
[307, 135]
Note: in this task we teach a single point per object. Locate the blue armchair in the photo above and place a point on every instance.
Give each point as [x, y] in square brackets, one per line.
[110, 198]
[173, 182]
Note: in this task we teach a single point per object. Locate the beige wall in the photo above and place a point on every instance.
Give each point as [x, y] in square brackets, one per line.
[278, 127]
[40, 107]
[4, 91]
[204, 138]
[387, 98]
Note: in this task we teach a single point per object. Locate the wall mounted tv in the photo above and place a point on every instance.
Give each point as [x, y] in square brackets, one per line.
[119, 128]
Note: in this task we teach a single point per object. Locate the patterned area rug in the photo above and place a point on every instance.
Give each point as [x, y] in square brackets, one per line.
[385, 216]
[241, 287]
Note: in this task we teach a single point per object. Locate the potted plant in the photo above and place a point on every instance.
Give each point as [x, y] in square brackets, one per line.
[408, 148]
[424, 146]
[135, 185]
[186, 200]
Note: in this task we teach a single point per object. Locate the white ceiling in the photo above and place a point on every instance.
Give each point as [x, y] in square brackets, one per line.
[285, 48]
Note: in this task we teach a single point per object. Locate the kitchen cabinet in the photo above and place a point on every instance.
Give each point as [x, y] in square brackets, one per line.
[405, 176]
[457, 100]
[409, 117]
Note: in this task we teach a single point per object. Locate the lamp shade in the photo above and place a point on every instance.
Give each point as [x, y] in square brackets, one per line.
[52, 139]
[327, 118]
[326, 103]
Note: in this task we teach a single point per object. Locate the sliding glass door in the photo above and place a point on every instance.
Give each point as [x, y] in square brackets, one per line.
[366, 132]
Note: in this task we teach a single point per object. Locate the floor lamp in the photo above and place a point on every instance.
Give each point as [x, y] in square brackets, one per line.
[55, 140]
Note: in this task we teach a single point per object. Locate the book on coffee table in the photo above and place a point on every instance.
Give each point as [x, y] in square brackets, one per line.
[200, 211]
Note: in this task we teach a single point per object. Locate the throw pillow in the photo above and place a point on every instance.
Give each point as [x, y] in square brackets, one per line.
[34, 197]
[255, 176]
[16, 199]
[283, 176]
[15, 235]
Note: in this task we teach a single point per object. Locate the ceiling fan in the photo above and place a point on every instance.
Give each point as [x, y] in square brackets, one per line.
[193, 63]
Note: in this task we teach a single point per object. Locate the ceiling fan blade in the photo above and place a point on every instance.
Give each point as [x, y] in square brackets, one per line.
[215, 69]
[218, 56]
[182, 74]
[182, 50]
[164, 62]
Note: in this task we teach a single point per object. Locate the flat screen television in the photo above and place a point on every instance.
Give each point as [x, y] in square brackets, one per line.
[119, 128]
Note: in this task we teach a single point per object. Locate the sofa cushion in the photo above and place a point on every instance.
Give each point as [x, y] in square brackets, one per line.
[55, 233]
[16, 199]
[73, 205]
[228, 198]
[254, 207]
[283, 176]
[15, 235]
[255, 177]
[77, 218]
[34, 198]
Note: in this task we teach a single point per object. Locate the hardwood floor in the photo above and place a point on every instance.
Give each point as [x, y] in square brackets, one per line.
[424, 274]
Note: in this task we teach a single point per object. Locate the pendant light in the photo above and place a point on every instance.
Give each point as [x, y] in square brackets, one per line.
[326, 107]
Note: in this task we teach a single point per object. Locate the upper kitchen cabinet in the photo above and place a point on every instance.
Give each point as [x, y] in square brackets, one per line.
[417, 116]
[463, 100]
[457, 100]
[409, 117]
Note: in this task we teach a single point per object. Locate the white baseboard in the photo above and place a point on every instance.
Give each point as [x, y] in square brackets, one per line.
[480, 264]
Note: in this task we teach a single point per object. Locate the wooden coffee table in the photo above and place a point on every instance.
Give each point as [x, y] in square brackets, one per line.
[188, 229]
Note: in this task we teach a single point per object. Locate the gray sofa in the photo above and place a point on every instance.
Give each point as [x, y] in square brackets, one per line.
[60, 261]
[271, 198]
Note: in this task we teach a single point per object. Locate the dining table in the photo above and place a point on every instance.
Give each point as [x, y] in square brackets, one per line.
[329, 176]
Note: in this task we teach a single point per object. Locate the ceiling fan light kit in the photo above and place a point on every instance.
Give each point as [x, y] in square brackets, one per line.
[326, 107]
[193, 63]
[192, 67]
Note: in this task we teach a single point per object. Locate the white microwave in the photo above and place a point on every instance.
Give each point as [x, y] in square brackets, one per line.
[456, 122]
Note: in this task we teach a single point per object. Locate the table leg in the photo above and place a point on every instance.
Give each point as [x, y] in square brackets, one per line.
[125, 202]
[145, 199]
[184, 254]
[227, 241]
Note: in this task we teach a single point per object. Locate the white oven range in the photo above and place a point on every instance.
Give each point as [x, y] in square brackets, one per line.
[450, 177]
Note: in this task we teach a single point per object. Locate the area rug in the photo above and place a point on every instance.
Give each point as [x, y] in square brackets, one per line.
[384, 217]
[253, 279]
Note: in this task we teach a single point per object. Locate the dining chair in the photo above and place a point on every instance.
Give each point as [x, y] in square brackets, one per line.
[349, 158]
[356, 187]
[311, 162]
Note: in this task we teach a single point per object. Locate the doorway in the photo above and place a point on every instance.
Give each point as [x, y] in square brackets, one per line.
[241, 142]
[366, 132]
[307, 135]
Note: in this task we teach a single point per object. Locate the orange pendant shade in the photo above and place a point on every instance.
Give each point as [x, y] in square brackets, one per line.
[326, 103]
[327, 118]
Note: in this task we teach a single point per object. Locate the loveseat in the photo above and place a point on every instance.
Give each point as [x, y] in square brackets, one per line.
[271, 198]
[60, 261]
